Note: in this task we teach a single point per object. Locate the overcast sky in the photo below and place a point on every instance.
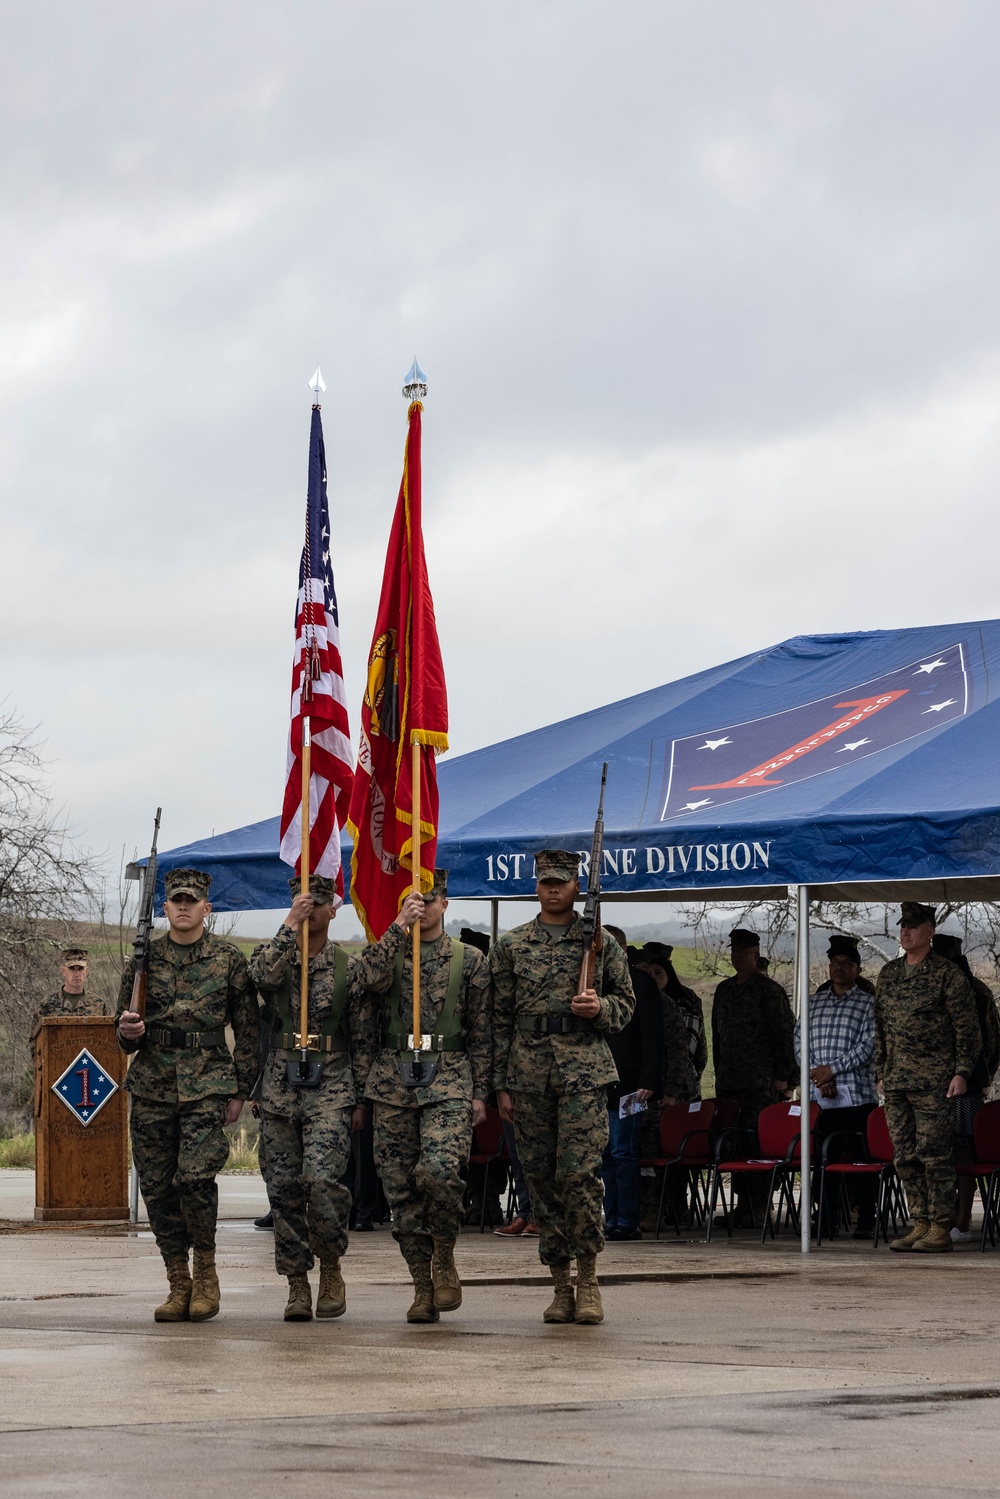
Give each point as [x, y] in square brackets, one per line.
[707, 297]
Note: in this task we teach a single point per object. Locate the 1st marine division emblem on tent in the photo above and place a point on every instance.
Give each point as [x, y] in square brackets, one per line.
[84, 1087]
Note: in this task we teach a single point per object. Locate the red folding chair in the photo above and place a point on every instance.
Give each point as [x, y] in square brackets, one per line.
[779, 1136]
[685, 1144]
[489, 1148]
[986, 1168]
[727, 1113]
[880, 1163]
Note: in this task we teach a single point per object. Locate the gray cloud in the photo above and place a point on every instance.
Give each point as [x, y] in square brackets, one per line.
[707, 297]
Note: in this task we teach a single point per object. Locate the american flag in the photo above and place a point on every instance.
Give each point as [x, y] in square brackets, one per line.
[317, 694]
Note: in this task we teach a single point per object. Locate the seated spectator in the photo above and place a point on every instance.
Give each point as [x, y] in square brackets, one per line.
[967, 1107]
[842, 1069]
[637, 1050]
[657, 960]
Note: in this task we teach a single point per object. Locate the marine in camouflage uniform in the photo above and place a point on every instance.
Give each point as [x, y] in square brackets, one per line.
[181, 1079]
[927, 1043]
[74, 1001]
[552, 1063]
[949, 946]
[306, 1131]
[752, 1027]
[423, 1134]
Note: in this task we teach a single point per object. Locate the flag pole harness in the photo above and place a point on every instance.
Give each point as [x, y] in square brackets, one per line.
[449, 1035]
[331, 1039]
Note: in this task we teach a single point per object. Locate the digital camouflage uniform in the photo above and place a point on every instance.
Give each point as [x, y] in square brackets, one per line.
[179, 1095]
[422, 1135]
[71, 1004]
[558, 1082]
[926, 1033]
[62, 1003]
[306, 1131]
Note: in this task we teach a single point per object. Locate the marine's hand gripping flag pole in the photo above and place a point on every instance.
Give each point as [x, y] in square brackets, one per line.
[420, 1071]
[319, 770]
[404, 720]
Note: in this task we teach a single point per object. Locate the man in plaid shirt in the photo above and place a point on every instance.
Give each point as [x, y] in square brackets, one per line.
[841, 1065]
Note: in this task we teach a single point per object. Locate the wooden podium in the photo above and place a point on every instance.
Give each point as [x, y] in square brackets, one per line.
[81, 1120]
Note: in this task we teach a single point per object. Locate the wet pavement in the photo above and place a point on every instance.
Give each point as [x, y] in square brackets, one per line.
[721, 1368]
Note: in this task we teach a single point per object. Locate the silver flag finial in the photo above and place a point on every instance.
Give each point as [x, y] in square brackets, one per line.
[317, 383]
[415, 384]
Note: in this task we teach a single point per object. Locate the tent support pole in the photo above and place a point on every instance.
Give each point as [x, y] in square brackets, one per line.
[802, 1005]
[494, 921]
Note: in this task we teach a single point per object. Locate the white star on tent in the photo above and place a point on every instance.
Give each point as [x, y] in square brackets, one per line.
[713, 744]
[853, 745]
[928, 667]
[936, 707]
[693, 806]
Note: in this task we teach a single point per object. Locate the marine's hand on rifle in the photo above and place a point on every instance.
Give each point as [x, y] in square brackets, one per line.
[131, 1026]
[587, 1004]
[505, 1104]
[302, 908]
[411, 911]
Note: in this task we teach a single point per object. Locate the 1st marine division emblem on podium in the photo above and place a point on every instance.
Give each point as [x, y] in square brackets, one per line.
[84, 1087]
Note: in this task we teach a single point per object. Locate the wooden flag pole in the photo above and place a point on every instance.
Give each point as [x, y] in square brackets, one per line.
[304, 869]
[415, 833]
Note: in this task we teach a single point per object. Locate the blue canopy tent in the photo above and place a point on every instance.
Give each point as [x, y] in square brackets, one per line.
[858, 766]
[863, 765]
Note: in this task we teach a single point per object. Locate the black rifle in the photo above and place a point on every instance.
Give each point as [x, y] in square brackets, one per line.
[593, 939]
[144, 925]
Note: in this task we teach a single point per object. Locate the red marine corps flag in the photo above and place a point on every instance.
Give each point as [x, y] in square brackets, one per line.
[404, 716]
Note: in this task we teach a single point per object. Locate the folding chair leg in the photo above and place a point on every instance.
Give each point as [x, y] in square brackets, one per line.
[659, 1210]
[822, 1199]
[989, 1212]
[768, 1221]
[482, 1203]
[716, 1187]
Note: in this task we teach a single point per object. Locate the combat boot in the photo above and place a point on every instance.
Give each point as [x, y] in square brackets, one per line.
[331, 1298]
[447, 1286]
[937, 1240]
[588, 1292]
[562, 1307]
[300, 1306]
[205, 1287]
[175, 1308]
[422, 1308]
[907, 1241]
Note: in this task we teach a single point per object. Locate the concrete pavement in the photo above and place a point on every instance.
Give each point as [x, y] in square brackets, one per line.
[719, 1367]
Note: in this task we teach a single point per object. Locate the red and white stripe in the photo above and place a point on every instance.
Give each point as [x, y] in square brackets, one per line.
[317, 638]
